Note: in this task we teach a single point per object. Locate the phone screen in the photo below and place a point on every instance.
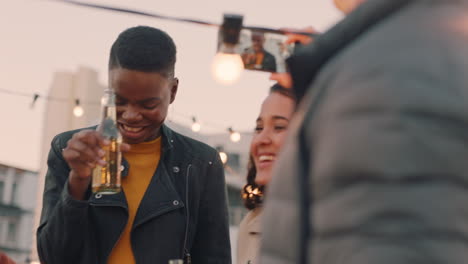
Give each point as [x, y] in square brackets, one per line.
[261, 51]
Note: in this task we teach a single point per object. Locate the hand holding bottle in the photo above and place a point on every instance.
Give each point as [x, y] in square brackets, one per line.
[83, 152]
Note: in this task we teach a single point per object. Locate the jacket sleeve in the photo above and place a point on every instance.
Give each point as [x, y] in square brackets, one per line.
[63, 224]
[212, 244]
[387, 156]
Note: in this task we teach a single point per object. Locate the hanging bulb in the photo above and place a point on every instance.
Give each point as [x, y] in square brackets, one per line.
[78, 110]
[227, 64]
[235, 136]
[195, 125]
[227, 68]
[223, 156]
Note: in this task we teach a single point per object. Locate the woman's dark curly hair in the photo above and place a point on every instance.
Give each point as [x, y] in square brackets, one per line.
[252, 193]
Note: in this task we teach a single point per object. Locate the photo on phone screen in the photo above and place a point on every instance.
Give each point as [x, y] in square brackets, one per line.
[262, 51]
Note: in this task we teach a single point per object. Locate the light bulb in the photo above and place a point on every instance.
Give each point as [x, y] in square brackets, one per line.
[235, 136]
[223, 157]
[78, 111]
[196, 127]
[227, 68]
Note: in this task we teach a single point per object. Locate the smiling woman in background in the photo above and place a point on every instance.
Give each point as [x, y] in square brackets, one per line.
[270, 132]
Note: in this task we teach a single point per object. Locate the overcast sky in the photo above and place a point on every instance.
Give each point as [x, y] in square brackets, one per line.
[40, 37]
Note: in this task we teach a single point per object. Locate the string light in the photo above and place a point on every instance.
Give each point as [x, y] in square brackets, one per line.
[227, 64]
[223, 156]
[235, 136]
[185, 20]
[196, 127]
[78, 110]
[227, 68]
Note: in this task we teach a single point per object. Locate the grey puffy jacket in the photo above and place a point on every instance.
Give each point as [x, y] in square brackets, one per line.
[380, 141]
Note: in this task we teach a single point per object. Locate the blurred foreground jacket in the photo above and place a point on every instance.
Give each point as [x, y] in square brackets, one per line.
[375, 169]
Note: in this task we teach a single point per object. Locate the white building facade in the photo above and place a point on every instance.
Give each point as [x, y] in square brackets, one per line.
[18, 189]
[66, 88]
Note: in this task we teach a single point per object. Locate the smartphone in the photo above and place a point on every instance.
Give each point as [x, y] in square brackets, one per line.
[261, 51]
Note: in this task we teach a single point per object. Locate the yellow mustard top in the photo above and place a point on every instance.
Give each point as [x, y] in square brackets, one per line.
[143, 159]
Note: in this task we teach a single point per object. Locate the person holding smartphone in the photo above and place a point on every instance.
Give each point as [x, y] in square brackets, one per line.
[376, 155]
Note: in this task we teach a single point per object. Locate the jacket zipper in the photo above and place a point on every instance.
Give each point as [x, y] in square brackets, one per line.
[186, 253]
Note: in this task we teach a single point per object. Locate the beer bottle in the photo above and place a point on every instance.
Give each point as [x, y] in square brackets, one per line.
[106, 179]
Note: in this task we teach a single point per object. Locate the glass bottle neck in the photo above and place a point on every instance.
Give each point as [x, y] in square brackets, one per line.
[108, 99]
[108, 105]
[109, 112]
[108, 125]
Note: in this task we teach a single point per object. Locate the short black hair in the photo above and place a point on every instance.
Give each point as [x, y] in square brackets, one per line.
[144, 48]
